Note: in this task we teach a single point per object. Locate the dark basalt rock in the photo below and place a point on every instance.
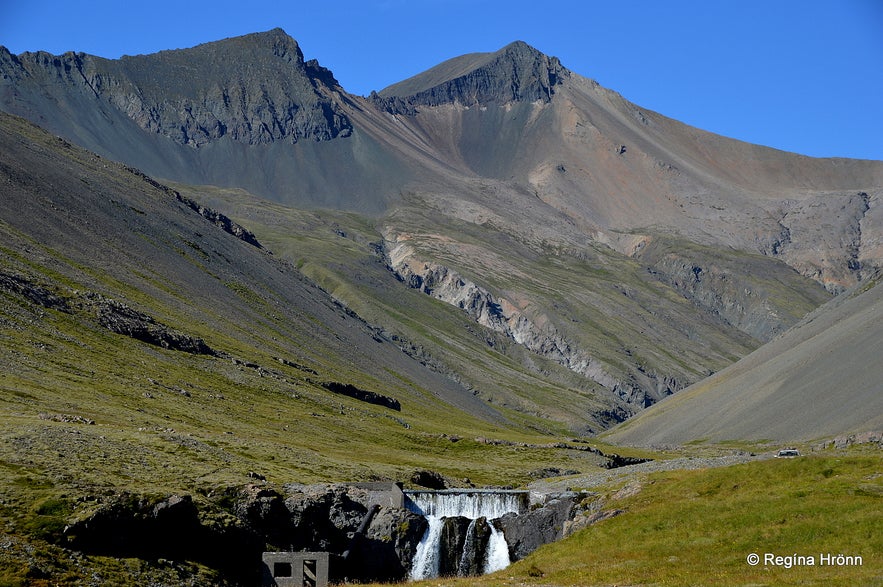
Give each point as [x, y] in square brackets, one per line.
[370, 397]
[453, 538]
[615, 461]
[264, 511]
[120, 318]
[475, 546]
[526, 532]
[111, 314]
[129, 526]
[229, 528]
[389, 545]
[429, 479]
[518, 72]
[254, 89]
[18, 284]
[231, 534]
[221, 221]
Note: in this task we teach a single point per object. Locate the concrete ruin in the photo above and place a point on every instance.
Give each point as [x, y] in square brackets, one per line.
[295, 569]
[314, 569]
[387, 495]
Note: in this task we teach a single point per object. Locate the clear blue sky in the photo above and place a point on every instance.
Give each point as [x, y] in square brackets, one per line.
[799, 75]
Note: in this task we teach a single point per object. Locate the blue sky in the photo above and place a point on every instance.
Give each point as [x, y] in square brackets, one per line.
[798, 75]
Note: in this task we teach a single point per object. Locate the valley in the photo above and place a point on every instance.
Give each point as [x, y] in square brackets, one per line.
[228, 296]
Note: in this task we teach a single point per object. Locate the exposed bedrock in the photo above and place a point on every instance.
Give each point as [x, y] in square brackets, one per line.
[500, 315]
[229, 529]
[541, 525]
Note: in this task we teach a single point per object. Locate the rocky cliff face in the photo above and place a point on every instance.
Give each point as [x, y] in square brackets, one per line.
[744, 291]
[501, 315]
[255, 89]
[516, 73]
[521, 162]
[230, 528]
[830, 238]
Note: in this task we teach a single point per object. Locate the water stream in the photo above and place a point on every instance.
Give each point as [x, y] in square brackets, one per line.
[482, 547]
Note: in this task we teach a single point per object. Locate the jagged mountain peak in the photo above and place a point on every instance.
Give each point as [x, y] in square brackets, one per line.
[517, 72]
[253, 89]
[279, 43]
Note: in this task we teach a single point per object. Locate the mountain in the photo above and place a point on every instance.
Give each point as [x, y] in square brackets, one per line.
[163, 375]
[222, 112]
[516, 73]
[565, 255]
[102, 265]
[224, 278]
[818, 380]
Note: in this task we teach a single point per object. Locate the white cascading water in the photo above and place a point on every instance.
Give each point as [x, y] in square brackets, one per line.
[496, 557]
[427, 557]
[436, 506]
[463, 567]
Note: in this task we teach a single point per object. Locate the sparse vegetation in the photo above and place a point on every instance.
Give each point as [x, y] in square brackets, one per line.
[151, 348]
[699, 528]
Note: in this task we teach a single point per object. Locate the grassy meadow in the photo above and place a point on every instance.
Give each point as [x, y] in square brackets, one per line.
[699, 527]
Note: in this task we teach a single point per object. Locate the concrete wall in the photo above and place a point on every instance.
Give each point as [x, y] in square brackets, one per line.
[295, 569]
[387, 495]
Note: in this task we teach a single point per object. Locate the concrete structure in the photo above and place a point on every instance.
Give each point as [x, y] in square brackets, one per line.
[295, 569]
[387, 495]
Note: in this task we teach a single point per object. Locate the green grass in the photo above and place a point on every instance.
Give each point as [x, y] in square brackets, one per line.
[579, 291]
[698, 528]
[150, 439]
[150, 436]
[171, 423]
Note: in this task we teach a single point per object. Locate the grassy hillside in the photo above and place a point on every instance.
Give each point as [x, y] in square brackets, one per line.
[640, 317]
[144, 351]
[700, 527]
[260, 399]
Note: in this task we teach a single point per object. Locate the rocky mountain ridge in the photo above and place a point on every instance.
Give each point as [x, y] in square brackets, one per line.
[199, 95]
[515, 73]
[286, 282]
[501, 315]
[495, 163]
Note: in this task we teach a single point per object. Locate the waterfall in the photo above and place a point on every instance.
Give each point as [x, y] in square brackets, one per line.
[484, 547]
[496, 557]
[427, 558]
[463, 568]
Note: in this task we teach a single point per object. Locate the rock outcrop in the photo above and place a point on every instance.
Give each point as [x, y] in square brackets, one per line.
[200, 95]
[230, 529]
[515, 73]
[753, 297]
[526, 532]
[170, 528]
[230, 532]
[121, 319]
[830, 238]
[220, 220]
[23, 286]
[370, 397]
[107, 312]
[500, 315]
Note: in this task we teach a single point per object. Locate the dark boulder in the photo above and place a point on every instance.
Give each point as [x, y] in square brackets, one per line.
[453, 538]
[429, 479]
[526, 532]
[389, 546]
[475, 548]
[263, 510]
